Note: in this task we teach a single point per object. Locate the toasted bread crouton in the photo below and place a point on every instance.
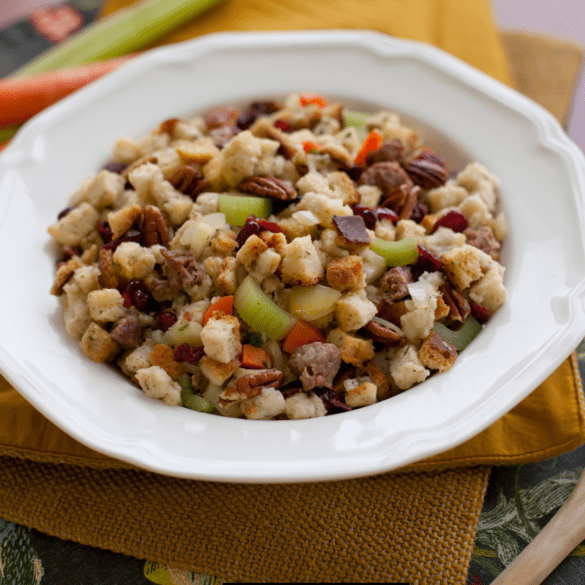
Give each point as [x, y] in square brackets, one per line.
[301, 263]
[221, 338]
[437, 354]
[354, 350]
[97, 344]
[346, 274]
[406, 368]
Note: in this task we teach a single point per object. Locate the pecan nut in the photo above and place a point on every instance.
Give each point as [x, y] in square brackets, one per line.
[268, 186]
[251, 385]
[154, 227]
[189, 181]
[459, 307]
[384, 335]
[427, 169]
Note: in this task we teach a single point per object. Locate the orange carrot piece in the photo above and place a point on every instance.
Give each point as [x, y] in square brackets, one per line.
[313, 98]
[372, 142]
[22, 98]
[302, 333]
[223, 305]
[310, 146]
[255, 357]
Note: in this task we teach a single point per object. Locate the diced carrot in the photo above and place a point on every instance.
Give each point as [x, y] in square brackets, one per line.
[223, 305]
[313, 98]
[23, 97]
[302, 333]
[372, 142]
[310, 146]
[255, 357]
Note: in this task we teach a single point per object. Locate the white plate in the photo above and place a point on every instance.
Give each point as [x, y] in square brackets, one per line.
[543, 180]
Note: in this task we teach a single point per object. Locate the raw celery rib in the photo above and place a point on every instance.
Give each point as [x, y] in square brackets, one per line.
[123, 32]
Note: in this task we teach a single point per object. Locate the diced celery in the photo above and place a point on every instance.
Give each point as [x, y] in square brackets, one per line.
[398, 253]
[312, 302]
[358, 121]
[260, 312]
[238, 207]
[461, 338]
[196, 402]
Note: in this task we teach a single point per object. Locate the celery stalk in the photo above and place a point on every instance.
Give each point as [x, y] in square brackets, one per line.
[358, 121]
[237, 208]
[463, 336]
[125, 31]
[399, 253]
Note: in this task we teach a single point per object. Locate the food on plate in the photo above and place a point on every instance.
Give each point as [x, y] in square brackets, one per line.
[283, 260]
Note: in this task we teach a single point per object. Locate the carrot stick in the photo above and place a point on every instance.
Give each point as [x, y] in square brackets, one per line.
[372, 142]
[255, 357]
[22, 98]
[312, 98]
[302, 333]
[222, 305]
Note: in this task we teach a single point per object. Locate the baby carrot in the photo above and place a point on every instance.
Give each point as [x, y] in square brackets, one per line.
[372, 142]
[302, 333]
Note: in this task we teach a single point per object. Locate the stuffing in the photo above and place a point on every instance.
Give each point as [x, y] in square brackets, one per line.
[406, 368]
[268, 404]
[354, 350]
[346, 274]
[464, 265]
[362, 395]
[97, 344]
[142, 304]
[133, 261]
[302, 405]
[156, 383]
[105, 305]
[301, 263]
[71, 229]
[353, 311]
[221, 338]
[105, 189]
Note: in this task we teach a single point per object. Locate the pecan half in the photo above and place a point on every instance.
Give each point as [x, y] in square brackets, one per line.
[402, 200]
[251, 385]
[459, 308]
[427, 169]
[268, 186]
[154, 227]
[189, 181]
[380, 334]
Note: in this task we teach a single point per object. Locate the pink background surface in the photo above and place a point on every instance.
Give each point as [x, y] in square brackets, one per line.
[564, 19]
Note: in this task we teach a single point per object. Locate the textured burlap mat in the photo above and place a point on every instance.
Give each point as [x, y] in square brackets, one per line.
[398, 527]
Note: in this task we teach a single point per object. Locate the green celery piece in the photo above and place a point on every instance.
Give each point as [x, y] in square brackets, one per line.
[196, 402]
[125, 31]
[237, 208]
[399, 253]
[358, 121]
[463, 336]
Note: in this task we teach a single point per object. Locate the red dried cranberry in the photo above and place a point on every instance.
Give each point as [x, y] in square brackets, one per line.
[67, 252]
[65, 212]
[130, 236]
[419, 210]
[453, 220]
[368, 214]
[253, 227]
[332, 400]
[104, 230]
[479, 312]
[284, 126]
[386, 213]
[115, 167]
[137, 294]
[166, 319]
[188, 353]
[255, 111]
[428, 261]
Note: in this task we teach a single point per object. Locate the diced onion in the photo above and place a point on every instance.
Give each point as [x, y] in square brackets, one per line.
[216, 220]
[374, 266]
[275, 352]
[202, 236]
[306, 217]
[421, 293]
[260, 312]
[312, 302]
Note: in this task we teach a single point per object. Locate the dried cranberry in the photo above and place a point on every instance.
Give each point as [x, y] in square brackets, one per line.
[137, 294]
[115, 167]
[284, 126]
[453, 220]
[67, 252]
[479, 312]
[332, 400]
[419, 210]
[166, 319]
[428, 261]
[253, 227]
[386, 213]
[104, 230]
[255, 111]
[368, 214]
[130, 236]
[188, 353]
[65, 212]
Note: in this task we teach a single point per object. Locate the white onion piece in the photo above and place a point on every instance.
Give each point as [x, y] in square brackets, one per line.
[312, 302]
[374, 266]
[388, 325]
[216, 220]
[272, 347]
[201, 238]
[306, 217]
[421, 293]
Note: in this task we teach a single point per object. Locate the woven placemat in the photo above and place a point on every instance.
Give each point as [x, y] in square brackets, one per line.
[399, 527]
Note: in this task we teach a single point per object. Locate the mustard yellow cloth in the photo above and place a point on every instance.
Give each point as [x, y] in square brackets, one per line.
[548, 422]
